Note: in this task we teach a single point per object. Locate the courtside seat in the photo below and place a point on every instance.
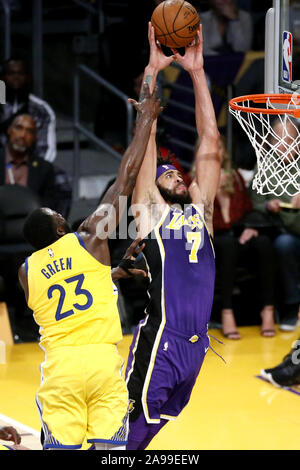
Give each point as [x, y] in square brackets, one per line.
[16, 202]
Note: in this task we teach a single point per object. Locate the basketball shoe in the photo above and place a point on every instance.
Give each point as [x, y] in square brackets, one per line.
[285, 374]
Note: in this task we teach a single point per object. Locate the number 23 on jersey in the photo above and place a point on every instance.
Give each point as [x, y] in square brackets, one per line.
[86, 299]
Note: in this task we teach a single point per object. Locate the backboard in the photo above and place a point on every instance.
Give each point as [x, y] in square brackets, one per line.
[282, 47]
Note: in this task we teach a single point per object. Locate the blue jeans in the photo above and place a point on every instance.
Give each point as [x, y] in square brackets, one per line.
[287, 247]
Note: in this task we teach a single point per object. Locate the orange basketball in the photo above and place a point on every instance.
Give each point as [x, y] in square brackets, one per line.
[175, 23]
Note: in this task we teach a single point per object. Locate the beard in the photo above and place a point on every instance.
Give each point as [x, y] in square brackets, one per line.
[173, 198]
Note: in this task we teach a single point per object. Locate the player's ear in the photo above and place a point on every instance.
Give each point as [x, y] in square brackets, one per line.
[60, 231]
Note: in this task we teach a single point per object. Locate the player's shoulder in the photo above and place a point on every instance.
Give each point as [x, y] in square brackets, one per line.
[22, 269]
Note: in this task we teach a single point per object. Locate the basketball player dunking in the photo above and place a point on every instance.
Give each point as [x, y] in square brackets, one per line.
[68, 285]
[169, 345]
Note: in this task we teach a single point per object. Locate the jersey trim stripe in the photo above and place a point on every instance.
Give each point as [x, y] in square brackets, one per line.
[168, 417]
[80, 240]
[162, 324]
[143, 323]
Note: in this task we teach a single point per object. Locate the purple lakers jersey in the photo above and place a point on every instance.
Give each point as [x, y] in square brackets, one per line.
[170, 343]
[181, 263]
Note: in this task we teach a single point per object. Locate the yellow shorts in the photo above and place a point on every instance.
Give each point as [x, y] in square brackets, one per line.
[83, 395]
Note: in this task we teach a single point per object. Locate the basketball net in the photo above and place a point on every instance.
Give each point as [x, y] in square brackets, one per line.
[272, 124]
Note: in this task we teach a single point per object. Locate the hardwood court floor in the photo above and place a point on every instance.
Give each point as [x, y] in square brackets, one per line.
[230, 408]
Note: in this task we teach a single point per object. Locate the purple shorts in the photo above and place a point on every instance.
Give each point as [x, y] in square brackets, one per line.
[160, 381]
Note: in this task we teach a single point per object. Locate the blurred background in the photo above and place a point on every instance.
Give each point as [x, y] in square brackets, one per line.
[82, 60]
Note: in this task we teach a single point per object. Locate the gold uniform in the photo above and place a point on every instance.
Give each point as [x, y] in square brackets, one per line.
[82, 392]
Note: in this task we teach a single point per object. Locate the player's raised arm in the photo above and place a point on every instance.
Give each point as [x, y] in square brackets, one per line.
[208, 158]
[145, 187]
[106, 217]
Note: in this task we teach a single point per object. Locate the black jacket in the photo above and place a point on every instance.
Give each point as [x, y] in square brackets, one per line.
[41, 178]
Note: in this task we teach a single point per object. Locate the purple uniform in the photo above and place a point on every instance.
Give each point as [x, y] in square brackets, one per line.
[170, 343]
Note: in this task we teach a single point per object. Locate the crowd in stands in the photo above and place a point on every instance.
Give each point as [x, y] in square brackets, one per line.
[27, 159]
[251, 231]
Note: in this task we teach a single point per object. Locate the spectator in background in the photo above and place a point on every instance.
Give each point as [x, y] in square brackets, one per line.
[19, 100]
[226, 28]
[236, 242]
[19, 165]
[251, 82]
[287, 243]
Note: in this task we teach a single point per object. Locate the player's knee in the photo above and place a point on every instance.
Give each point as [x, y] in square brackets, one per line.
[284, 244]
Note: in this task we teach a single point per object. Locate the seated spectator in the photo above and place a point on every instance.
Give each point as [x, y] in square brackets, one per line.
[19, 165]
[287, 243]
[236, 241]
[226, 28]
[19, 100]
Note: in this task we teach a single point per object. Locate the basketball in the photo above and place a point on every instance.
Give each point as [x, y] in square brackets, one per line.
[175, 23]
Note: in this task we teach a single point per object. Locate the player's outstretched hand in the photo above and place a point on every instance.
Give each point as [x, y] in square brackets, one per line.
[126, 268]
[158, 60]
[192, 60]
[149, 104]
[9, 433]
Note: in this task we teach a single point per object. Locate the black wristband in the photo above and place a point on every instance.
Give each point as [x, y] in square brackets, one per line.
[126, 264]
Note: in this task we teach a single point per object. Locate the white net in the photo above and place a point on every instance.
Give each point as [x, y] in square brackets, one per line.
[275, 138]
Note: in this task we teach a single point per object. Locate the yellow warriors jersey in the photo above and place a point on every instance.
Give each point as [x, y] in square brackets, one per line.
[72, 295]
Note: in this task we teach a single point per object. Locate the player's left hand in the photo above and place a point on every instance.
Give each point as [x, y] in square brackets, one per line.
[158, 60]
[9, 433]
[149, 102]
[295, 201]
[126, 269]
[247, 234]
[192, 60]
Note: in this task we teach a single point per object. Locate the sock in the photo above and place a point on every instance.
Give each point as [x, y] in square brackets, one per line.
[105, 446]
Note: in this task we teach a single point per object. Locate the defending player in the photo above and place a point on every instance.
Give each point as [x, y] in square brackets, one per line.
[169, 345]
[68, 285]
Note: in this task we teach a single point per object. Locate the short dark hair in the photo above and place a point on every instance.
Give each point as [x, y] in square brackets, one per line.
[5, 64]
[39, 229]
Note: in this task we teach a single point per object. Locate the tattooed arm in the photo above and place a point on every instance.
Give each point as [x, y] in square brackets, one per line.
[145, 190]
[209, 156]
[99, 225]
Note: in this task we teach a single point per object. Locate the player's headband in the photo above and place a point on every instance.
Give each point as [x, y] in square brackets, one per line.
[162, 168]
